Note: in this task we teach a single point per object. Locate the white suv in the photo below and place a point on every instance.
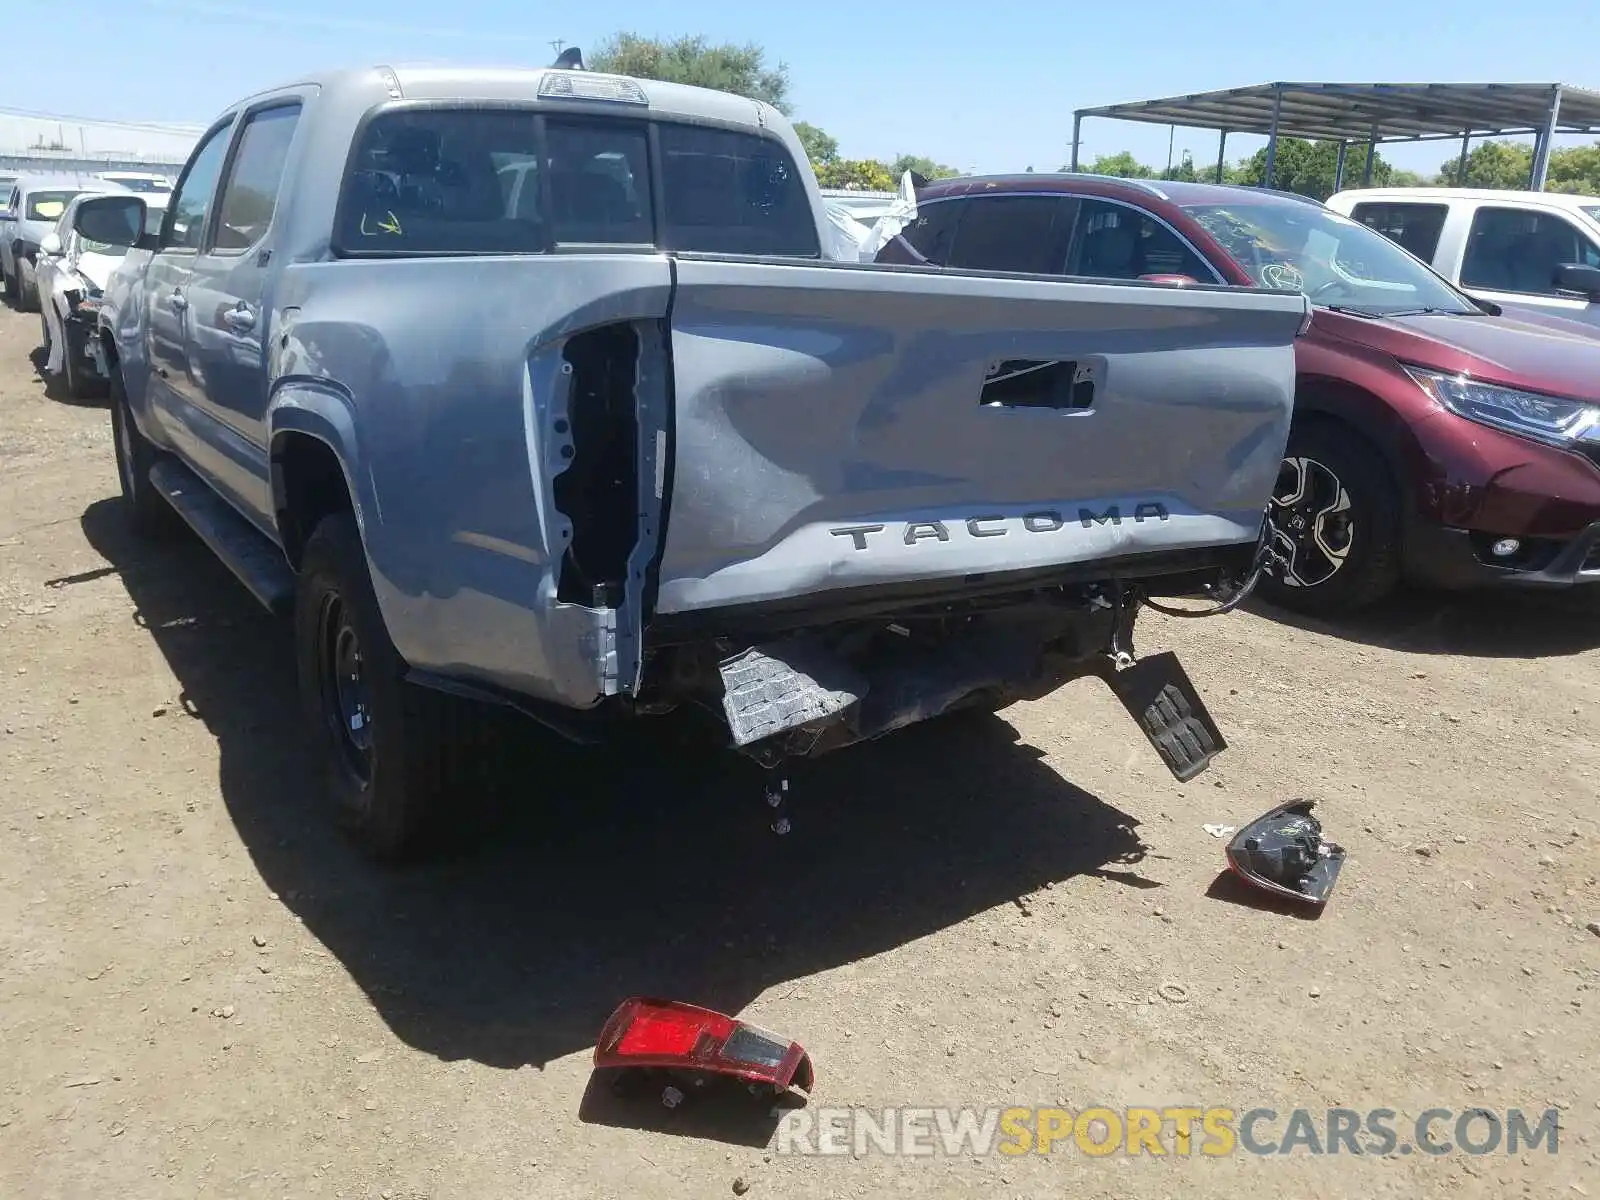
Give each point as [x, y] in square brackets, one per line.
[1533, 253]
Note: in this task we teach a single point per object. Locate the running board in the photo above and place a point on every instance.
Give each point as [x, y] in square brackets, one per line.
[259, 565]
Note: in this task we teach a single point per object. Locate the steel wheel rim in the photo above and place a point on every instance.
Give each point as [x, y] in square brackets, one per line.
[342, 677]
[1313, 523]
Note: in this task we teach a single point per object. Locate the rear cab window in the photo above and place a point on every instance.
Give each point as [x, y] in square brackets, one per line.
[453, 181]
[1415, 227]
[728, 192]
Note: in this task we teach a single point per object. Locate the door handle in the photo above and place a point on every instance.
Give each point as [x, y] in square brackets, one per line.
[179, 300]
[239, 319]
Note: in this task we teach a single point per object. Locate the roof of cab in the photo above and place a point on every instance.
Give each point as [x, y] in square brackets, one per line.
[1437, 195]
[424, 82]
[82, 181]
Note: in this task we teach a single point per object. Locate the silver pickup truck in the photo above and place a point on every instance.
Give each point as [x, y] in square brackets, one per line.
[534, 387]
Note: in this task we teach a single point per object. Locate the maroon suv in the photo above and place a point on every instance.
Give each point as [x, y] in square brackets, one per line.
[1433, 438]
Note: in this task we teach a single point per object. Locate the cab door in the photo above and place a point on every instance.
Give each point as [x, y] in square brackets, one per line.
[1511, 255]
[229, 308]
[171, 394]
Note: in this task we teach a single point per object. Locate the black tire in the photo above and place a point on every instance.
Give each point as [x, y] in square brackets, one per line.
[81, 383]
[10, 289]
[44, 339]
[395, 757]
[148, 511]
[26, 298]
[1337, 510]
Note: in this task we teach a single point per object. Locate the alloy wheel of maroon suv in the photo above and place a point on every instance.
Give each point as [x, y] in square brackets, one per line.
[1433, 440]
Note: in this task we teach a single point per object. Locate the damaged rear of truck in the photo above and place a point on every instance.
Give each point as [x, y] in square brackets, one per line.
[534, 387]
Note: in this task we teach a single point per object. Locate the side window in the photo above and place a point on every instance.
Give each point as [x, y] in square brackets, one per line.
[934, 230]
[1416, 227]
[1118, 242]
[1014, 233]
[250, 192]
[186, 215]
[727, 192]
[1518, 250]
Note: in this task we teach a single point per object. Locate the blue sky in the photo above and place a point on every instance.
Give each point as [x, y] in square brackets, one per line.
[984, 87]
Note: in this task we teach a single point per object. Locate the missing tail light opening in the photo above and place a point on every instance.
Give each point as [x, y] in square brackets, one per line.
[599, 489]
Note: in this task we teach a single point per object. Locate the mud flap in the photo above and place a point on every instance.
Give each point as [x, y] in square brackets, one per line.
[1159, 695]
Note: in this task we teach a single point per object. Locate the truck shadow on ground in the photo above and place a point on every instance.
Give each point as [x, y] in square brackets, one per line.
[1476, 624]
[612, 872]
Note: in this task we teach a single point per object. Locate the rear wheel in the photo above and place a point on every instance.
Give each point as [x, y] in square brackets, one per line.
[1335, 510]
[394, 755]
[10, 281]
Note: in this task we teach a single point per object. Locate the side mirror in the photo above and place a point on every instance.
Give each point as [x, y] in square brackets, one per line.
[1576, 277]
[50, 245]
[115, 220]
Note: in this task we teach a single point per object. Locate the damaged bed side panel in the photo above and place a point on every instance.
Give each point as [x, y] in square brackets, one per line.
[495, 432]
[839, 426]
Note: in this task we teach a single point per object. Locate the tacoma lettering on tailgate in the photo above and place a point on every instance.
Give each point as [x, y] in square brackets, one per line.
[1045, 520]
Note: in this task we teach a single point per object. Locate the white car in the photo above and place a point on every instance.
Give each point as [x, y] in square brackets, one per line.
[144, 182]
[1536, 254]
[73, 274]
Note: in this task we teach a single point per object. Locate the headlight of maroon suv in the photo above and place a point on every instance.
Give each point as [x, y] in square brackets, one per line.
[1569, 424]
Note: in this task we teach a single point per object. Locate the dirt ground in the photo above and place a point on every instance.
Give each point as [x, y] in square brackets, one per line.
[204, 992]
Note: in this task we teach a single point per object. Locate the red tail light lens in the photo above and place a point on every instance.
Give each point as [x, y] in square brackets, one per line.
[645, 1032]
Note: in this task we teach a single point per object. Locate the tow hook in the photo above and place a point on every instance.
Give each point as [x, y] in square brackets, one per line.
[1120, 651]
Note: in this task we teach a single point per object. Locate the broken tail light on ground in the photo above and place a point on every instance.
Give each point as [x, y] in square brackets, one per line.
[1285, 853]
[690, 1046]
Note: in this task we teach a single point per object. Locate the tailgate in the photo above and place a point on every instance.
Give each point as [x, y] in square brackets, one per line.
[838, 426]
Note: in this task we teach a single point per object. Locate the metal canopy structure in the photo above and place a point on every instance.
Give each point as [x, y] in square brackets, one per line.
[1372, 113]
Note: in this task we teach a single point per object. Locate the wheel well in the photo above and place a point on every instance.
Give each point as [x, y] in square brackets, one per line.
[1356, 412]
[308, 484]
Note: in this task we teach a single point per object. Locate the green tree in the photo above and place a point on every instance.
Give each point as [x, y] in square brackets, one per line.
[1121, 164]
[1184, 171]
[1499, 164]
[1575, 169]
[819, 147]
[1308, 168]
[742, 70]
[856, 174]
[922, 166]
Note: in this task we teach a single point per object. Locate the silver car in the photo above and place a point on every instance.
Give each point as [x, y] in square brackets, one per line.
[33, 206]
